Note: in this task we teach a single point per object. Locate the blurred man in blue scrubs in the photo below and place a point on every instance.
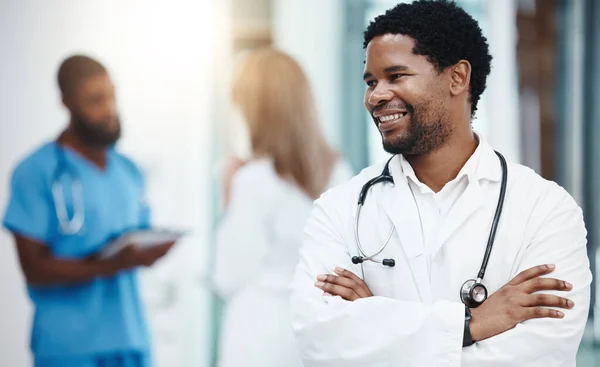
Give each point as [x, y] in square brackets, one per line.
[69, 198]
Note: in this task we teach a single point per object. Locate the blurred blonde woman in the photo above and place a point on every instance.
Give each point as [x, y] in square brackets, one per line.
[268, 200]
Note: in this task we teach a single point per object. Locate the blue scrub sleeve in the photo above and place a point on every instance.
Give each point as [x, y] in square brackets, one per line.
[29, 210]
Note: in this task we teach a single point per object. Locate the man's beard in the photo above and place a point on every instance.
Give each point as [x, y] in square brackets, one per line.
[95, 135]
[419, 139]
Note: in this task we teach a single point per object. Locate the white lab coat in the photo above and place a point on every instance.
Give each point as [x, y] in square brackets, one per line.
[416, 317]
[257, 250]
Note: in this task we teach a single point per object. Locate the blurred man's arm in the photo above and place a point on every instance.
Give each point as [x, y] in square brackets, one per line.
[42, 269]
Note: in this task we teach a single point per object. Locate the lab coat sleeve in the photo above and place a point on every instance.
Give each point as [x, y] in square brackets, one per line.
[560, 240]
[241, 235]
[375, 331]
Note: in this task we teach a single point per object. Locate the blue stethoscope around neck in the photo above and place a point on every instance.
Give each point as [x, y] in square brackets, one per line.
[67, 226]
[472, 293]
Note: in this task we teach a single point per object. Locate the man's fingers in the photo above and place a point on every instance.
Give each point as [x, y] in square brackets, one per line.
[540, 312]
[363, 289]
[350, 283]
[347, 274]
[545, 284]
[333, 279]
[338, 290]
[160, 250]
[165, 247]
[531, 273]
[346, 285]
[548, 300]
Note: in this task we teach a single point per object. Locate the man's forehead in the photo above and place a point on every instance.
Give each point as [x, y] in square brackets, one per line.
[391, 52]
[390, 45]
[100, 79]
[94, 84]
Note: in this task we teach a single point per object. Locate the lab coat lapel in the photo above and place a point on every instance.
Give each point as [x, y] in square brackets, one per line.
[399, 204]
[487, 168]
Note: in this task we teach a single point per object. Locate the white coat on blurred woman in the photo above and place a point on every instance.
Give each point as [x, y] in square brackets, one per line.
[268, 200]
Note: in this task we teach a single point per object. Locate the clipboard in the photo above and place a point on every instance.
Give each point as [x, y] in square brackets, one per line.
[142, 239]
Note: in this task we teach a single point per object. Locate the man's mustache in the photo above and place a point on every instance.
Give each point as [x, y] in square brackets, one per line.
[392, 107]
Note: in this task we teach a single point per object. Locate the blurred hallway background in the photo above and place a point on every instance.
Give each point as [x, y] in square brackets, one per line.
[172, 64]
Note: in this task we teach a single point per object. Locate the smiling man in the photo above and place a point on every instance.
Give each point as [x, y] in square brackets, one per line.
[452, 257]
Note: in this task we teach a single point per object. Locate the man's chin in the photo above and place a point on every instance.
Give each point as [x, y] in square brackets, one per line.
[110, 142]
[398, 146]
[103, 141]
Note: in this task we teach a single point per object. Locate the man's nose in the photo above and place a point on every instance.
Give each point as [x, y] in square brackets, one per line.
[380, 94]
[111, 107]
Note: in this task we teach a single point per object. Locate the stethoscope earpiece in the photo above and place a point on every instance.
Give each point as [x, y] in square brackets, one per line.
[357, 260]
[389, 262]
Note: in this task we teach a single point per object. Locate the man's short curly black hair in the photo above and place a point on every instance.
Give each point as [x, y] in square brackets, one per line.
[444, 33]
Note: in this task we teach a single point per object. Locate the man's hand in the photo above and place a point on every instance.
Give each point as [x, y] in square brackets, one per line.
[132, 256]
[515, 303]
[346, 285]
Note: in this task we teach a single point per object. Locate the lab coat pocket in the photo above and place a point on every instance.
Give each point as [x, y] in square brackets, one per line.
[378, 278]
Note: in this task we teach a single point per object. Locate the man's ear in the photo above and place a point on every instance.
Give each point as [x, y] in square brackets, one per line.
[460, 77]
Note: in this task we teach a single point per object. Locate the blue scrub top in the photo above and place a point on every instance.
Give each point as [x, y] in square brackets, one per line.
[102, 316]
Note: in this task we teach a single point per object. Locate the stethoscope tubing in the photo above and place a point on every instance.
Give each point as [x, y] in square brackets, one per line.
[385, 176]
[74, 225]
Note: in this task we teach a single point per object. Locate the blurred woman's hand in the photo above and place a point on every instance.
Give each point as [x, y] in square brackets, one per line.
[232, 166]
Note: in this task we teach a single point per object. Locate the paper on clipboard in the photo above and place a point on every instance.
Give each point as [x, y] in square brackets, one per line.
[141, 239]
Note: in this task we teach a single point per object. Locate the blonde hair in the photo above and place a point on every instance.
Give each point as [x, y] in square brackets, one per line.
[275, 98]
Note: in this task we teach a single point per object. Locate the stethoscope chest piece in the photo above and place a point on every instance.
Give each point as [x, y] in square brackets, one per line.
[473, 293]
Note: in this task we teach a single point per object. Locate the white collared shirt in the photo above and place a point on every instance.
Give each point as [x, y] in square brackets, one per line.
[434, 207]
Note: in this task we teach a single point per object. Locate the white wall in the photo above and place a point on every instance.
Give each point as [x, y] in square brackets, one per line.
[311, 31]
[160, 56]
[503, 128]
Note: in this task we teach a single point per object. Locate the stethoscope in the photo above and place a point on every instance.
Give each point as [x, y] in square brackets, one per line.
[472, 293]
[67, 226]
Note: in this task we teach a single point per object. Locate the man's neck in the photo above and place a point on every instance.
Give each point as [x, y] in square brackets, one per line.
[441, 166]
[95, 154]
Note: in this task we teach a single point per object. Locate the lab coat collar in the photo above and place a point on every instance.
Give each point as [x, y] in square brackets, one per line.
[488, 166]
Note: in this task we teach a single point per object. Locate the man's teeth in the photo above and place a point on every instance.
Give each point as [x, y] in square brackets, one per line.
[392, 117]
